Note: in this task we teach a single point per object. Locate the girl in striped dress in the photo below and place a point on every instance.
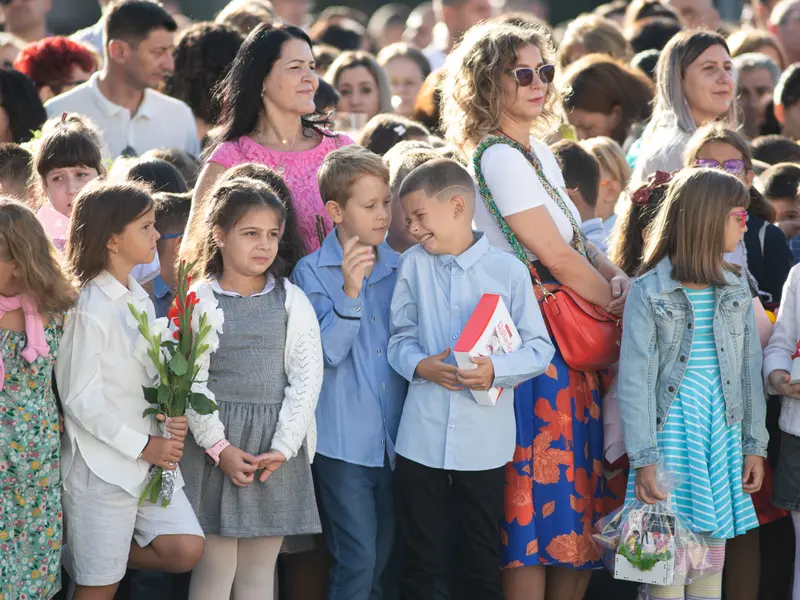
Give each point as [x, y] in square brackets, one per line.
[690, 389]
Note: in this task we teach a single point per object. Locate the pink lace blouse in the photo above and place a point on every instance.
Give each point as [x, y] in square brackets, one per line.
[299, 171]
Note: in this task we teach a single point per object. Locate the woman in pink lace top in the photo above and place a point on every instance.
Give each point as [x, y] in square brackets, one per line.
[268, 96]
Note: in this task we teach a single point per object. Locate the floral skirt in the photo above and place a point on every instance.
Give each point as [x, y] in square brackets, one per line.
[555, 486]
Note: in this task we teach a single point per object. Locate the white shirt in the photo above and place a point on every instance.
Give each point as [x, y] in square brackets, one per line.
[161, 122]
[516, 187]
[100, 383]
[217, 288]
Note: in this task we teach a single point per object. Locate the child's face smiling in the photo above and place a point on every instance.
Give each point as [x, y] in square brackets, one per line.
[431, 222]
[62, 185]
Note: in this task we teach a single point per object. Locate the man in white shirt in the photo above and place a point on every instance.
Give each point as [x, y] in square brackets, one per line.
[120, 100]
[456, 16]
[26, 19]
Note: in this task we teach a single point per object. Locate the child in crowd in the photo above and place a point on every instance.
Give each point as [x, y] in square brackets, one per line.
[615, 174]
[109, 447]
[763, 252]
[786, 99]
[445, 437]
[188, 166]
[172, 214]
[266, 375]
[67, 157]
[34, 295]
[582, 178]
[779, 185]
[16, 172]
[774, 149]
[383, 132]
[707, 394]
[399, 238]
[350, 281]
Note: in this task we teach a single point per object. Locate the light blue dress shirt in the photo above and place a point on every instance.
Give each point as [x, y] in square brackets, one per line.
[434, 298]
[362, 397]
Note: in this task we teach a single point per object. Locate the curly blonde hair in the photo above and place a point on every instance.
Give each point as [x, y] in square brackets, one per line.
[472, 90]
[23, 240]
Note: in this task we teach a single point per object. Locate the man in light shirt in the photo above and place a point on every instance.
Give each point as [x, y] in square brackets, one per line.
[454, 18]
[121, 99]
[26, 19]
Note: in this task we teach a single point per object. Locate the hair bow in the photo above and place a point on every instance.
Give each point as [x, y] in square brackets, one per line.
[641, 197]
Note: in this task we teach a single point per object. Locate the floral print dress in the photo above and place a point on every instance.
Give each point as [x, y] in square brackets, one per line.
[30, 480]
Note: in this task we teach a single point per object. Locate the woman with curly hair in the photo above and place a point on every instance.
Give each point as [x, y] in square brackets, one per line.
[497, 88]
[203, 55]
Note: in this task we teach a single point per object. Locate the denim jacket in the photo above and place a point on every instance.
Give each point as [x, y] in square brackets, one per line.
[656, 342]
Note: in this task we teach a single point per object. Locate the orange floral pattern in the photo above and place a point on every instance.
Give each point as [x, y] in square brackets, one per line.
[556, 487]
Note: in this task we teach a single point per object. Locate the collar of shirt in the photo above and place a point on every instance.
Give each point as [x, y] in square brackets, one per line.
[109, 108]
[112, 288]
[267, 288]
[331, 255]
[471, 255]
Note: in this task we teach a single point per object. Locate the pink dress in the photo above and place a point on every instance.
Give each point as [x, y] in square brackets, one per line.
[299, 171]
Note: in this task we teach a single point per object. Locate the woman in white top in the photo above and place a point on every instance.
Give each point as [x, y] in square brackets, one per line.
[694, 86]
[497, 85]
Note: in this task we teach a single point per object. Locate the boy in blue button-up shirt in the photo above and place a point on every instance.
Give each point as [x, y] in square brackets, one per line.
[446, 438]
[350, 281]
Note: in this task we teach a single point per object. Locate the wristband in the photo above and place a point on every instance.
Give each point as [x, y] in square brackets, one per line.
[215, 450]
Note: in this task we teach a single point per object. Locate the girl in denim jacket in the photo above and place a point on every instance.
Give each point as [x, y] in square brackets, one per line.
[690, 389]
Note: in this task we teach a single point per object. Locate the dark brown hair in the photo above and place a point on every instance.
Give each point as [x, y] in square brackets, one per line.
[383, 132]
[100, 211]
[68, 142]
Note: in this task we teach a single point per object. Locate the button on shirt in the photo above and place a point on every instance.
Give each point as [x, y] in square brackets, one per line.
[362, 396]
[161, 121]
[433, 300]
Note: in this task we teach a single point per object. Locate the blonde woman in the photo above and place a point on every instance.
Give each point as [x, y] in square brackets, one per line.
[592, 34]
[614, 177]
[496, 89]
[362, 84]
[695, 85]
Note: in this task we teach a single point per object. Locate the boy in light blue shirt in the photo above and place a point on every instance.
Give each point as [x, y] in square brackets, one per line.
[445, 437]
[350, 281]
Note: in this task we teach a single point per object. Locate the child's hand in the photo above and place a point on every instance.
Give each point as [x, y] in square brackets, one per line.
[620, 286]
[481, 378]
[779, 380]
[356, 259]
[647, 486]
[162, 452]
[270, 462]
[434, 369]
[177, 427]
[239, 465]
[752, 473]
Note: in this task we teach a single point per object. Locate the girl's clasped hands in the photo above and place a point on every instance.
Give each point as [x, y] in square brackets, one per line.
[241, 467]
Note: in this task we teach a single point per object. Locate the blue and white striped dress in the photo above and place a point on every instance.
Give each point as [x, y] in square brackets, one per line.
[697, 445]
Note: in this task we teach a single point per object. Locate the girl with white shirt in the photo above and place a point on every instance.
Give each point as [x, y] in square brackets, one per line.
[495, 90]
[109, 446]
[778, 357]
[248, 471]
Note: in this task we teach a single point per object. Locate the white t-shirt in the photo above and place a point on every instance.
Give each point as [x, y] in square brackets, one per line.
[515, 187]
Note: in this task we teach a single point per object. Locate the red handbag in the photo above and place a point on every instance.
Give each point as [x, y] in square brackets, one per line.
[587, 336]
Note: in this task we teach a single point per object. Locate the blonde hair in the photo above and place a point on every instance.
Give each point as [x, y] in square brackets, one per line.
[341, 168]
[596, 35]
[23, 240]
[749, 41]
[359, 58]
[690, 226]
[611, 158]
[472, 91]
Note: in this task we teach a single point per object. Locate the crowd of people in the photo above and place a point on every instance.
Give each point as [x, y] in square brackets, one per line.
[347, 188]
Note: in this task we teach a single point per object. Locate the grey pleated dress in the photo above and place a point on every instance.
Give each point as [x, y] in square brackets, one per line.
[247, 376]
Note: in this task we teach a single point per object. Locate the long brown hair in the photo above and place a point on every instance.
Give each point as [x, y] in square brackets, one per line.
[690, 226]
[100, 211]
[721, 133]
[23, 240]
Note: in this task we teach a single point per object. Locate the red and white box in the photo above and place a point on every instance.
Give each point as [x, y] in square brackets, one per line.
[490, 331]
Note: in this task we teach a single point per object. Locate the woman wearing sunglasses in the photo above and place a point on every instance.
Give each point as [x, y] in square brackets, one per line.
[694, 86]
[497, 89]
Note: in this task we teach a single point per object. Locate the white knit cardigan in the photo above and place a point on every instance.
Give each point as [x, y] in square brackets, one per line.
[304, 365]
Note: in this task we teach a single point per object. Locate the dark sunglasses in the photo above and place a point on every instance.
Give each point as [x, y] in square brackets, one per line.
[733, 166]
[525, 75]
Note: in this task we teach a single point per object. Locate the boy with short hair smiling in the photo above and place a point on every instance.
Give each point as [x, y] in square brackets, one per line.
[350, 281]
[445, 435]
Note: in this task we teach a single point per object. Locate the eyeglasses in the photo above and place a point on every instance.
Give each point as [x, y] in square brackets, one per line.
[172, 236]
[741, 215]
[733, 166]
[524, 75]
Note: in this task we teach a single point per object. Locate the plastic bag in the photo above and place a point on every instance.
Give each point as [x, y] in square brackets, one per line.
[650, 543]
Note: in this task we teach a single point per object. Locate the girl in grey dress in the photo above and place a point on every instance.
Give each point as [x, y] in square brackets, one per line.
[266, 375]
